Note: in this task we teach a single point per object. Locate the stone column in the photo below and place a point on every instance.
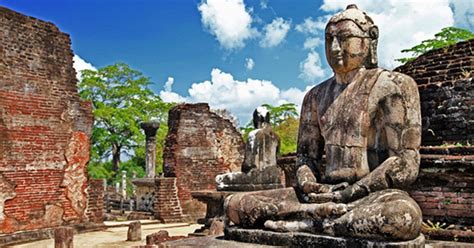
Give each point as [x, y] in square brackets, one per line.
[134, 231]
[150, 129]
[63, 237]
[124, 184]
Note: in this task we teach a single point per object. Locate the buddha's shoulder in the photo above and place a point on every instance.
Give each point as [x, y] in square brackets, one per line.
[387, 76]
[317, 89]
[395, 82]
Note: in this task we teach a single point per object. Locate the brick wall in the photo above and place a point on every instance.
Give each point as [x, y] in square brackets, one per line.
[200, 145]
[44, 127]
[167, 205]
[444, 79]
[95, 203]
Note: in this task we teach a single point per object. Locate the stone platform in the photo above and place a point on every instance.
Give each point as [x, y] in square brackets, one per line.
[214, 201]
[300, 239]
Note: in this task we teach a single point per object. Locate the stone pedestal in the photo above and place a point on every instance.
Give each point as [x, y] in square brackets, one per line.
[63, 237]
[215, 205]
[145, 194]
[134, 231]
[300, 239]
[256, 179]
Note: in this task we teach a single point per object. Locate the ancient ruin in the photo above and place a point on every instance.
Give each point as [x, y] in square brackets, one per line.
[44, 130]
[259, 169]
[367, 122]
[199, 146]
[145, 187]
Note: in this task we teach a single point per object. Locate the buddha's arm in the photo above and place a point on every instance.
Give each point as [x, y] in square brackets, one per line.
[402, 122]
[310, 147]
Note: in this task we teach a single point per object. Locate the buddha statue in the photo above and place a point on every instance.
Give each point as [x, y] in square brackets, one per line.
[366, 122]
[259, 170]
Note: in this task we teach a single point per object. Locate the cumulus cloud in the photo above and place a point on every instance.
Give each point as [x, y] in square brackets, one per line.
[313, 27]
[402, 24]
[168, 95]
[169, 84]
[275, 32]
[80, 64]
[311, 68]
[223, 91]
[312, 42]
[229, 21]
[249, 63]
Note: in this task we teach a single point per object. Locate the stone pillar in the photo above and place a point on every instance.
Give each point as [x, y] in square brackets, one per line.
[124, 184]
[134, 231]
[150, 129]
[63, 237]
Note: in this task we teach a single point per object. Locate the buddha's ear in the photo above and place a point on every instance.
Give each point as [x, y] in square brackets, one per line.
[374, 35]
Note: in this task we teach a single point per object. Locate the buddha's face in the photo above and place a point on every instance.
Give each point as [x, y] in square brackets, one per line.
[347, 46]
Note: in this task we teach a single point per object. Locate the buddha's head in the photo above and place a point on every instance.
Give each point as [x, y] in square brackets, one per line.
[261, 115]
[351, 40]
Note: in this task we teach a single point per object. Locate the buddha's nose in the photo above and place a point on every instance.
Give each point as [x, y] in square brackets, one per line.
[335, 47]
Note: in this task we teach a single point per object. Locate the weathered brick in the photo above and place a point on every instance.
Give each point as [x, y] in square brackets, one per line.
[44, 127]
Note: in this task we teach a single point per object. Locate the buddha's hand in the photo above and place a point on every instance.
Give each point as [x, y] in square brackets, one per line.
[339, 186]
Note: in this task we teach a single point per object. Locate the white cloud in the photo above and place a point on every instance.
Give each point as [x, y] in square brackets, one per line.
[263, 4]
[402, 24]
[463, 13]
[229, 21]
[169, 84]
[275, 32]
[80, 64]
[249, 63]
[313, 27]
[312, 42]
[168, 95]
[311, 69]
[241, 98]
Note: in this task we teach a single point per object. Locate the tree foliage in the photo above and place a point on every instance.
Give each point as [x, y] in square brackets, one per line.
[285, 123]
[448, 36]
[121, 99]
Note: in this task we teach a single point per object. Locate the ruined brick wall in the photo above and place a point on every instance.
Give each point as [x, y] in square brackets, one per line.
[444, 79]
[95, 204]
[167, 205]
[200, 145]
[44, 127]
[444, 188]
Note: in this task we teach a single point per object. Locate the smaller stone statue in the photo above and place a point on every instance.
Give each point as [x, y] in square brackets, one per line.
[259, 170]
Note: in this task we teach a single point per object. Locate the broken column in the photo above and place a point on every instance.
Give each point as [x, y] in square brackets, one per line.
[63, 237]
[134, 231]
[145, 187]
[150, 129]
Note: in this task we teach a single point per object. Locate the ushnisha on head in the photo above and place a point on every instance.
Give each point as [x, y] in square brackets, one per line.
[261, 115]
[351, 40]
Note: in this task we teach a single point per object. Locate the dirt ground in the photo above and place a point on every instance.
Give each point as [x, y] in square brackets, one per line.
[116, 236]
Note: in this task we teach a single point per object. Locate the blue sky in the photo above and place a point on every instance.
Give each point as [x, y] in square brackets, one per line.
[234, 54]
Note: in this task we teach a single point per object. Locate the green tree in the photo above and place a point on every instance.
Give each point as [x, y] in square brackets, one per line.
[448, 36]
[288, 133]
[121, 99]
[285, 123]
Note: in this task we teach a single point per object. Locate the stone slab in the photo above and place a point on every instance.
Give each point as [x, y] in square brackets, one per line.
[212, 242]
[300, 239]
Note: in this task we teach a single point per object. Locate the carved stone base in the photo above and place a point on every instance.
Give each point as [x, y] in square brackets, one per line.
[300, 239]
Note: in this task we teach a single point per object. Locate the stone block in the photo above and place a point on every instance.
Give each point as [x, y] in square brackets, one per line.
[63, 237]
[134, 231]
